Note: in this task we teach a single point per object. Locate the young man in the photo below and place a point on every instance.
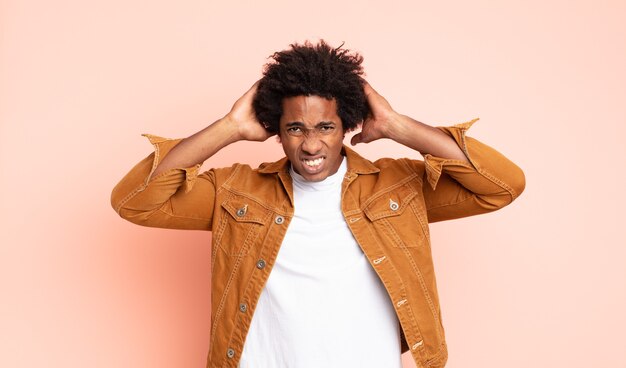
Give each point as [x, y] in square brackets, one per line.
[321, 259]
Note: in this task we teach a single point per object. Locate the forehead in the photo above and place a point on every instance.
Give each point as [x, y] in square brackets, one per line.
[309, 110]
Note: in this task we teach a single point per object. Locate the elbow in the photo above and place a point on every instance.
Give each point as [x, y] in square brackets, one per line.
[517, 182]
[136, 217]
[119, 196]
[511, 186]
[116, 199]
[120, 204]
[137, 212]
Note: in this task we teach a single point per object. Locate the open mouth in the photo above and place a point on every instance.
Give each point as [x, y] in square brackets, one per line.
[314, 163]
[313, 166]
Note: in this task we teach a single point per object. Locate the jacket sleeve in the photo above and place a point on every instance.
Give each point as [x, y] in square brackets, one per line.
[178, 198]
[454, 188]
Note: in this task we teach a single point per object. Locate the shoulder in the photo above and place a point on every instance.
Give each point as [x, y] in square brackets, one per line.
[236, 170]
[244, 178]
[360, 164]
[400, 166]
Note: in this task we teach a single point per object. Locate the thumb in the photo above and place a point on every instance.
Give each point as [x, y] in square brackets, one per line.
[357, 138]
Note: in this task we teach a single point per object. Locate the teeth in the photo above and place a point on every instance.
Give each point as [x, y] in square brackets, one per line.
[314, 162]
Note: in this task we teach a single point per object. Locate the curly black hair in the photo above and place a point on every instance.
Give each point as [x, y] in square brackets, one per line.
[306, 70]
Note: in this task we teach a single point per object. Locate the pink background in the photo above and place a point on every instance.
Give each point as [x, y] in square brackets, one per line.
[539, 283]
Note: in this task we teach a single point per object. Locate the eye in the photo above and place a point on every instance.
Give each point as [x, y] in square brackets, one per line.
[294, 130]
[327, 128]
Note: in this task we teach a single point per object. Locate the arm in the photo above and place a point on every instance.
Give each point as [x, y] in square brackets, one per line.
[239, 124]
[164, 189]
[386, 123]
[461, 176]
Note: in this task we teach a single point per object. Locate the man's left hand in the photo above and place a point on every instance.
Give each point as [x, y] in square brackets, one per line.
[380, 121]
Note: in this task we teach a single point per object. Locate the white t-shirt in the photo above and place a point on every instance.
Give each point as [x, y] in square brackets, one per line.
[323, 305]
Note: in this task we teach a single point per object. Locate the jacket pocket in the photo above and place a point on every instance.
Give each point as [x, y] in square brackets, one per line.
[399, 215]
[242, 222]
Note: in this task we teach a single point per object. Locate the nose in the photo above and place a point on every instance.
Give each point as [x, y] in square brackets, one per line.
[311, 144]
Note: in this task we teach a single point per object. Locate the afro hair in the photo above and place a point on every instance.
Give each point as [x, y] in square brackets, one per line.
[319, 70]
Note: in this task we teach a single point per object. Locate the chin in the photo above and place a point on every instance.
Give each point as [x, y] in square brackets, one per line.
[316, 178]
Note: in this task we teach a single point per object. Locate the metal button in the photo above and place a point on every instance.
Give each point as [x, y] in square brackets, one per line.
[243, 307]
[393, 205]
[242, 211]
[279, 220]
[230, 353]
[260, 264]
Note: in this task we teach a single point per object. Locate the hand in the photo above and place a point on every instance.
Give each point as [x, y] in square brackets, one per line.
[381, 118]
[242, 115]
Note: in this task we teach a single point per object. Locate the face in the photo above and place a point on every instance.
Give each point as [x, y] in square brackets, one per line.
[312, 136]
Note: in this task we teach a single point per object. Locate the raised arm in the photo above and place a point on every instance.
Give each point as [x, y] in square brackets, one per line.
[461, 176]
[164, 189]
[239, 124]
[384, 122]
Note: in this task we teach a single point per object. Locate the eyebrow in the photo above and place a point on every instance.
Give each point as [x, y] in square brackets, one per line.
[300, 124]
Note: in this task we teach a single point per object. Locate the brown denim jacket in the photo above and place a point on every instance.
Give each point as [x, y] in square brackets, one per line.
[387, 205]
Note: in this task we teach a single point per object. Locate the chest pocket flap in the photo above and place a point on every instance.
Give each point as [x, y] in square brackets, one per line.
[398, 216]
[391, 203]
[241, 225]
[243, 209]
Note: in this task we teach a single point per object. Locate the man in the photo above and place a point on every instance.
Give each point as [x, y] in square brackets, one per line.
[321, 259]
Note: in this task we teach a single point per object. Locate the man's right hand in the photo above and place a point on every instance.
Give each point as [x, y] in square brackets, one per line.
[242, 116]
[239, 124]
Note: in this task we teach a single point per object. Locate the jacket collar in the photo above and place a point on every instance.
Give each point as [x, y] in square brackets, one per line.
[356, 164]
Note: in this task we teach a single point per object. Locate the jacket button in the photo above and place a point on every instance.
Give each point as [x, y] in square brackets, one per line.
[242, 211]
[243, 307]
[230, 353]
[393, 205]
[260, 264]
[279, 220]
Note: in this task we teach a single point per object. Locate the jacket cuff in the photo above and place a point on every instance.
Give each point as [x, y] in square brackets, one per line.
[162, 146]
[435, 165]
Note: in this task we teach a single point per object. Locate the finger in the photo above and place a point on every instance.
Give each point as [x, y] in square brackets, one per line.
[368, 90]
[254, 87]
[355, 139]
